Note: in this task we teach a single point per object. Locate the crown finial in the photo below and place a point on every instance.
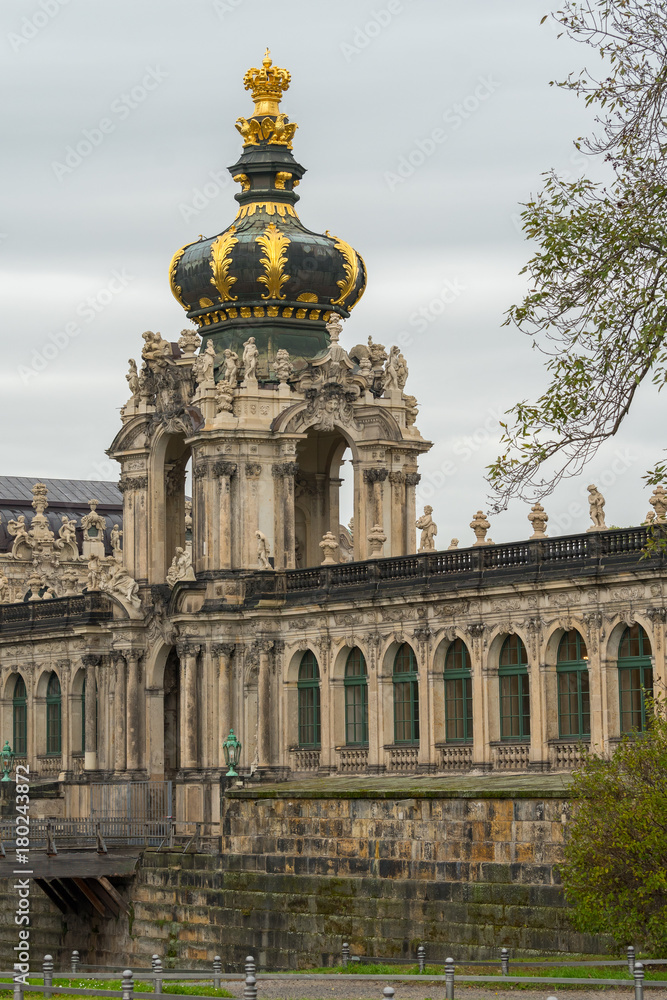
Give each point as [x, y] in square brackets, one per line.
[266, 85]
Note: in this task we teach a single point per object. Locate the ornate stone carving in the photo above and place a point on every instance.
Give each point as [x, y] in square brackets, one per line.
[285, 469]
[188, 649]
[250, 359]
[231, 368]
[223, 648]
[200, 470]
[659, 502]
[204, 367]
[284, 368]
[117, 580]
[253, 470]
[181, 566]
[412, 478]
[329, 546]
[375, 475]
[224, 469]
[329, 405]
[429, 530]
[596, 507]
[397, 478]
[66, 541]
[5, 592]
[128, 484]
[133, 378]
[480, 526]
[538, 519]
[189, 342]
[454, 544]
[376, 540]
[91, 660]
[263, 549]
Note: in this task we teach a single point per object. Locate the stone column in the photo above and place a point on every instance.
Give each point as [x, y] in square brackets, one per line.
[427, 752]
[596, 683]
[374, 512]
[327, 752]
[375, 754]
[484, 698]
[63, 669]
[120, 721]
[411, 481]
[224, 651]
[248, 515]
[264, 648]
[224, 471]
[537, 671]
[397, 537]
[133, 710]
[189, 716]
[135, 548]
[91, 662]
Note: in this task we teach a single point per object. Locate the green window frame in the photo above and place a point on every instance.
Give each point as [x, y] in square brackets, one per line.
[406, 696]
[635, 678]
[20, 718]
[574, 700]
[310, 729]
[53, 716]
[514, 690]
[458, 694]
[356, 699]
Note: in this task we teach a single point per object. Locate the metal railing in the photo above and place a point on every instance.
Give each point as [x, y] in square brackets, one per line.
[115, 831]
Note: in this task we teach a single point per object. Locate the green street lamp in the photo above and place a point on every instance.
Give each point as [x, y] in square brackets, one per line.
[232, 751]
[7, 755]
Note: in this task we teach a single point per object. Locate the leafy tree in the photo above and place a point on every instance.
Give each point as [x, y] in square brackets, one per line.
[597, 305]
[615, 869]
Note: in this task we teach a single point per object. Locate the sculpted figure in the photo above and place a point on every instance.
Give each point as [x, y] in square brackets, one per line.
[596, 506]
[114, 538]
[263, 550]
[283, 366]
[181, 566]
[156, 351]
[659, 502]
[411, 410]
[133, 378]
[188, 342]
[120, 582]
[334, 327]
[390, 379]
[377, 353]
[204, 366]
[250, 358]
[402, 367]
[428, 529]
[5, 593]
[67, 538]
[480, 526]
[94, 573]
[454, 544]
[231, 367]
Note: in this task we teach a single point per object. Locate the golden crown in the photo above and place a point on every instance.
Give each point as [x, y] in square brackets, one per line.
[267, 85]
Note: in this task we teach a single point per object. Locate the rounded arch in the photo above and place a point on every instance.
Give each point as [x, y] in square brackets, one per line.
[294, 662]
[309, 701]
[44, 679]
[157, 662]
[443, 644]
[635, 677]
[496, 642]
[169, 456]
[406, 695]
[20, 716]
[611, 649]
[319, 456]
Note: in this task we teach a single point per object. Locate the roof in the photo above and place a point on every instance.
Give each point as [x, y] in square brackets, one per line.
[16, 490]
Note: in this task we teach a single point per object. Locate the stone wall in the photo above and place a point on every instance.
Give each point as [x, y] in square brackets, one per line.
[466, 871]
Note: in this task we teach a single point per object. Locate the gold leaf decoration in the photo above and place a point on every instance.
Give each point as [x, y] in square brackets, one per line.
[176, 290]
[351, 267]
[221, 259]
[274, 243]
[362, 286]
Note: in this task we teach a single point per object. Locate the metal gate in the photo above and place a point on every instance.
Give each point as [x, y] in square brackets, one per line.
[141, 800]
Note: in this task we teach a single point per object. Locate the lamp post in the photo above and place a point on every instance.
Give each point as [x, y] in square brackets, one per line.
[7, 755]
[232, 751]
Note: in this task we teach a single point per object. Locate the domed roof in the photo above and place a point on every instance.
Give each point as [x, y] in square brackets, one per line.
[266, 275]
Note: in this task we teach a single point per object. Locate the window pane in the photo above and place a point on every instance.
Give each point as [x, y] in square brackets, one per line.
[356, 664]
[356, 713]
[405, 661]
[513, 652]
[457, 656]
[514, 706]
[20, 746]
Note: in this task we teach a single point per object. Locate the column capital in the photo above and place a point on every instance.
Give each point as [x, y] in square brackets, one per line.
[285, 469]
[223, 648]
[224, 469]
[91, 660]
[375, 475]
[187, 649]
[397, 478]
[253, 470]
[412, 478]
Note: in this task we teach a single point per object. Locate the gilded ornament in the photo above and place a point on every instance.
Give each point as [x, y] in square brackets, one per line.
[272, 310]
[306, 297]
[266, 85]
[281, 179]
[288, 311]
[232, 313]
[314, 314]
[274, 243]
[244, 181]
[301, 314]
[246, 313]
[176, 290]
[279, 132]
[270, 207]
[362, 287]
[205, 303]
[351, 267]
[221, 259]
[251, 131]
[258, 312]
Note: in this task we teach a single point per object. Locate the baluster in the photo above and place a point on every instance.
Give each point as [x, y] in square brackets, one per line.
[345, 952]
[250, 988]
[127, 985]
[631, 959]
[250, 966]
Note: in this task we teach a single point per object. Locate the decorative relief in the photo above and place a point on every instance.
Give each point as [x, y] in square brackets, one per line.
[564, 600]
[348, 619]
[224, 469]
[253, 470]
[221, 260]
[346, 284]
[627, 594]
[454, 609]
[274, 243]
[375, 475]
[329, 405]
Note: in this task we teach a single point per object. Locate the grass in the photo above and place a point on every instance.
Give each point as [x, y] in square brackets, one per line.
[493, 969]
[115, 984]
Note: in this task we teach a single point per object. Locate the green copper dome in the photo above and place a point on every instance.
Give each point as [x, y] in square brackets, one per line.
[266, 275]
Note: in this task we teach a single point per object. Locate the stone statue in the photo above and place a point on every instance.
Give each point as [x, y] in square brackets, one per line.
[428, 529]
[328, 546]
[188, 516]
[231, 369]
[250, 359]
[156, 352]
[411, 410]
[402, 367]
[94, 573]
[189, 342]
[480, 526]
[224, 398]
[659, 502]
[120, 582]
[133, 378]
[376, 540]
[378, 355]
[49, 594]
[181, 566]
[538, 519]
[114, 538]
[263, 550]
[334, 327]
[454, 544]
[366, 368]
[5, 593]
[67, 538]
[204, 366]
[596, 507]
[283, 366]
[19, 531]
[391, 371]
[650, 517]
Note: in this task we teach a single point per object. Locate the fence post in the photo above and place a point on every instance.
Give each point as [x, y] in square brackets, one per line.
[157, 974]
[449, 979]
[250, 988]
[47, 974]
[18, 986]
[631, 959]
[127, 985]
[75, 962]
[388, 993]
[421, 957]
[639, 981]
[504, 962]
[345, 954]
[217, 969]
[250, 966]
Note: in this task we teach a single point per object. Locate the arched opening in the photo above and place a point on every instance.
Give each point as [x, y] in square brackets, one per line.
[170, 461]
[53, 716]
[356, 699]
[308, 686]
[514, 690]
[406, 696]
[458, 694]
[317, 497]
[574, 701]
[20, 718]
[172, 705]
[635, 678]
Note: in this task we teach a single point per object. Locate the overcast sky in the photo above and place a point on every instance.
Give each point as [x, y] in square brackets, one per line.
[149, 91]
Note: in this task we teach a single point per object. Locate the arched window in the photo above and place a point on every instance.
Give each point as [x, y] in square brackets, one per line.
[53, 716]
[514, 690]
[83, 715]
[574, 702]
[406, 696]
[635, 678]
[458, 694]
[309, 701]
[20, 718]
[356, 699]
